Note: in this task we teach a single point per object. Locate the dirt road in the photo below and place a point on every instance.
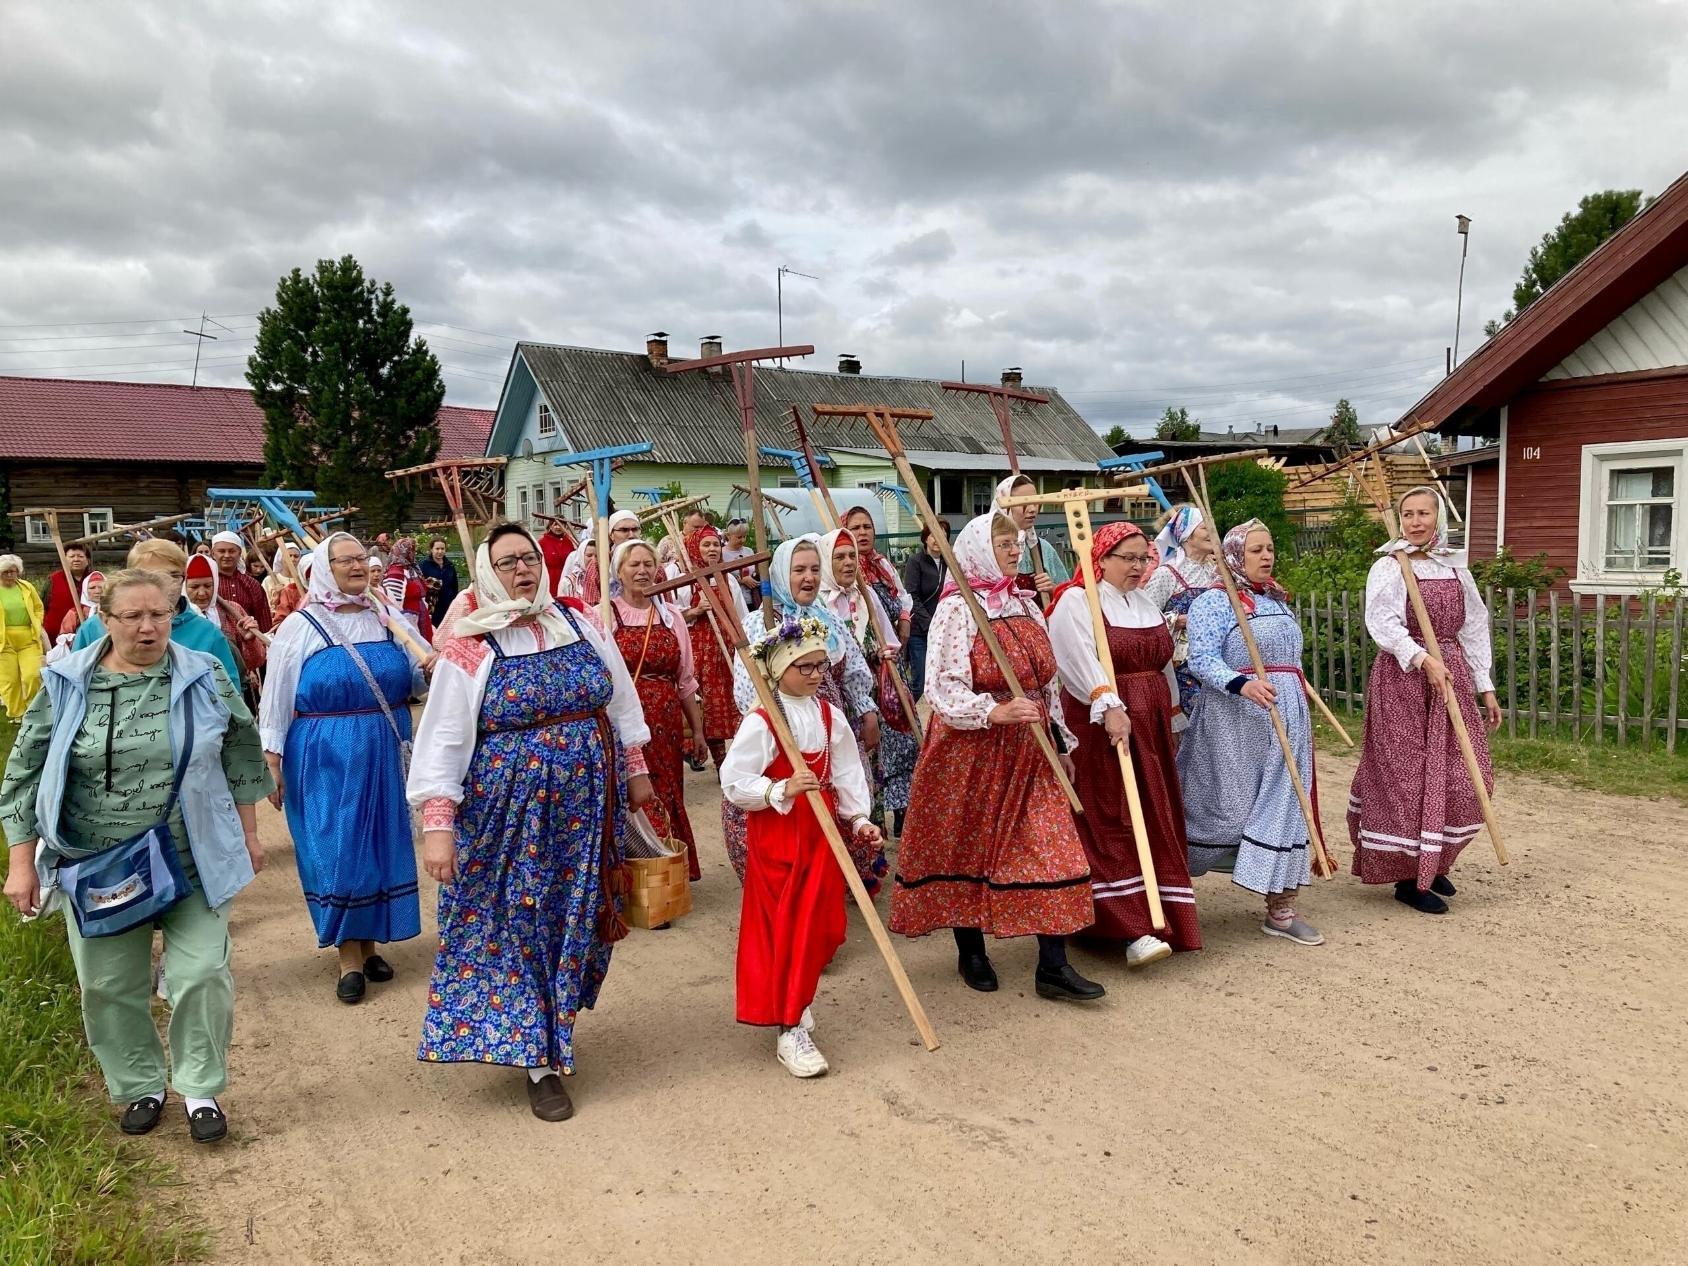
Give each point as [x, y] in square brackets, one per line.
[1500, 1085]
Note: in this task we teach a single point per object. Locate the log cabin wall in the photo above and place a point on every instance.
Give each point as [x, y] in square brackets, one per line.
[132, 491]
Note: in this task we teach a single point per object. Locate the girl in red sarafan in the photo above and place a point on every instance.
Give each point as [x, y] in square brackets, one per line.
[792, 918]
[989, 842]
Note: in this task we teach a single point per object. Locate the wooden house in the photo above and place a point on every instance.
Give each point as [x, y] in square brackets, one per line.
[1584, 401]
[126, 452]
[557, 400]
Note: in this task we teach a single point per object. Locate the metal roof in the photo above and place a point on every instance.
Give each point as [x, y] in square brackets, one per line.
[606, 398]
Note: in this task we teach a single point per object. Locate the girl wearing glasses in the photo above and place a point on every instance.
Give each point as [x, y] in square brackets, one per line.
[1142, 713]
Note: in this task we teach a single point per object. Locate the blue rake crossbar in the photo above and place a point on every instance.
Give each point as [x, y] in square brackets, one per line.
[798, 463]
[602, 462]
[276, 503]
[1140, 461]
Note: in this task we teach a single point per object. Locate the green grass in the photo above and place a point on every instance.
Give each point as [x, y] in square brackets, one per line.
[1631, 770]
[72, 1188]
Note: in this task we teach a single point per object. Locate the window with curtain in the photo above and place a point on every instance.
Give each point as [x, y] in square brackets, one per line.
[1640, 508]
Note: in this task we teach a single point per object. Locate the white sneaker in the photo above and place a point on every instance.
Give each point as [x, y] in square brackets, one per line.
[796, 1050]
[807, 1022]
[1145, 950]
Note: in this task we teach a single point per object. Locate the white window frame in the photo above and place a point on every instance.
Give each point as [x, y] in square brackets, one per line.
[522, 505]
[97, 520]
[1598, 460]
[547, 421]
[36, 531]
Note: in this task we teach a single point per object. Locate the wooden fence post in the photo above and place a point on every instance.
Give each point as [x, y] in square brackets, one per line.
[1600, 668]
[1623, 670]
[1511, 665]
[1535, 709]
[1348, 652]
[1553, 656]
[1652, 664]
[1576, 667]
[1675, 672]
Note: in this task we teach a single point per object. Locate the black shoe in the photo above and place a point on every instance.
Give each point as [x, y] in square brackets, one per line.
[377, 969]
[697, 766]
[1068, 984]
[548, 1099]
[1407, 893]
[350, 988]
[977, 971]
[1442, 886]
[208, 1125]
[140, 1116]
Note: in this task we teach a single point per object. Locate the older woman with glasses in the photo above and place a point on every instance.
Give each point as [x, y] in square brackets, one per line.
[138, 732]
[519, 773]
[335, 724]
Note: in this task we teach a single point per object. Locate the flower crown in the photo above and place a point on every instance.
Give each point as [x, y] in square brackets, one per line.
[802, 629]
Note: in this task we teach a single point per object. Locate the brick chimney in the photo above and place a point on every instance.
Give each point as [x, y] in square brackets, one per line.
[1012, 377]
[848, 364]
[656, 349]
[709, 345]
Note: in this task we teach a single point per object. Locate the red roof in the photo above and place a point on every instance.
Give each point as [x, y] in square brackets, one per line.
[65, 419]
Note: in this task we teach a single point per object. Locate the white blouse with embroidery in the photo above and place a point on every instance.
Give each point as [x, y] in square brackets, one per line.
[450, 726]
[949, 667]
[1386, 616]
[744, 778]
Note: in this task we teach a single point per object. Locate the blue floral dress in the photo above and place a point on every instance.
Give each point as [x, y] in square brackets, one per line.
[520, 954]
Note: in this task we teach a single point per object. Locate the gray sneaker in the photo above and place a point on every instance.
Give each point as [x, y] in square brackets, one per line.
[1299, 930]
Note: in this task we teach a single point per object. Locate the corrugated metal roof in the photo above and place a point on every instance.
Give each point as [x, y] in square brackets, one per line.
[1651, 334]
[604, 399]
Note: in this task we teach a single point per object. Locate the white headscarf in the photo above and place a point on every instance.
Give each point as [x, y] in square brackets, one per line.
[975, 554]
[495, 609]
[230, 538]
[319, 583]
[1028, 541]
[1438, 547]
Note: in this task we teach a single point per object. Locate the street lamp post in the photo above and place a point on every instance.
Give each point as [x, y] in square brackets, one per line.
[1464, 225]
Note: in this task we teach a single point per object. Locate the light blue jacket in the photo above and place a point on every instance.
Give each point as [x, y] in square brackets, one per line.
[215, 836]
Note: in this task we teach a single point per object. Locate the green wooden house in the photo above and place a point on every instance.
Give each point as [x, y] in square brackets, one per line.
[558, 399]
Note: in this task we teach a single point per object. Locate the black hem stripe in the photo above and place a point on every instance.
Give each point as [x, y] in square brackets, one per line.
[988, 883]
[354, 903]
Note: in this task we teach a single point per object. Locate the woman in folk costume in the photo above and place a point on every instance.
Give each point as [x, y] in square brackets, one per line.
[93, 585]
[897, 747]
[1144, 713]
[792, 918]
[713, 665]
[519, 776]
[1041, 568]
[864, 616]
[794, 579]
[991, 846]
[657, 649]
[1241, 810]
[580, 573]
[1412, 808]
[334, 719]
[1187, 570]
[406, 588]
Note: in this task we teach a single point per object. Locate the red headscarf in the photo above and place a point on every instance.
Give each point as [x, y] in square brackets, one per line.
[1103, 542]
[694, 542]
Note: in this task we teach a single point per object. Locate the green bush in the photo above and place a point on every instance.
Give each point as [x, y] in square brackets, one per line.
[1239, 491]
[1505, 571]
[1343, 562]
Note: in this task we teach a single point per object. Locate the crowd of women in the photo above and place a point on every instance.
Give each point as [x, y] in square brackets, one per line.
[564, 698]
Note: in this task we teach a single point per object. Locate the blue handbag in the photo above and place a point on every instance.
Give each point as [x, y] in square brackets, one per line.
[133, 882]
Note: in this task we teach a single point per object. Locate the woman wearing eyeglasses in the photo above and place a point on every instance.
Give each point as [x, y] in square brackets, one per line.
[335, 722]
[519, 773]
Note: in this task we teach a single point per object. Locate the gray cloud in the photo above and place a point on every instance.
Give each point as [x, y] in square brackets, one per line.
[1248, 211]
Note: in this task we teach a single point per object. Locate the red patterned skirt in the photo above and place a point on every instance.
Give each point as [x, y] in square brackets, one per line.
[653, 656]
[714, 682]
[989, 840]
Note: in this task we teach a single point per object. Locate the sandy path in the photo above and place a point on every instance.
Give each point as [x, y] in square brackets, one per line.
[1518, 1100]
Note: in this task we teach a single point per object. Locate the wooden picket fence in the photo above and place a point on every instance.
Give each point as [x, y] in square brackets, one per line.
[1610, 671]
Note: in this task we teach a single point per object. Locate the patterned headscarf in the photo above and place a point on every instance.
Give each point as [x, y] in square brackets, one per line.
[786, 606]
[1438, 547]
[1236, 541]
[320, 588]
[975, 554]
[496, 609]
[1169, 541]
[404, 554]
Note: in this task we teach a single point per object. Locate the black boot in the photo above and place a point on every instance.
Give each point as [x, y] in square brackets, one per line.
[1055, 976]
[1442, 886]
[972, 961]
[1407, 893]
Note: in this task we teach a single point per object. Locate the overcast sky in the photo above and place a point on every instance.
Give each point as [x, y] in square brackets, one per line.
[1142, 204]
